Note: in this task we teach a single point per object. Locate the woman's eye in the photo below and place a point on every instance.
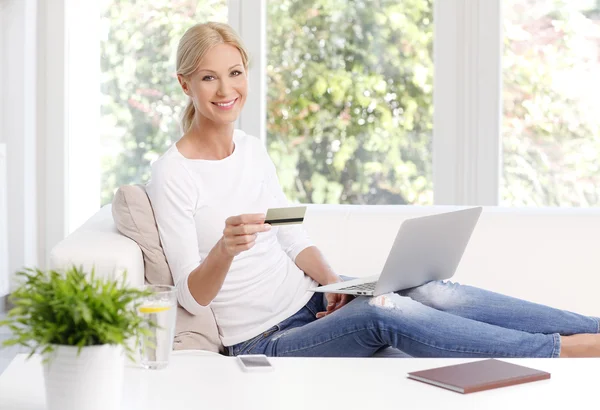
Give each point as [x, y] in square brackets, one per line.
[208, 78]
[235, 73]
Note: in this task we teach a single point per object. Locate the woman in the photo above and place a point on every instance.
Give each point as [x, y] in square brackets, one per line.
[256, 277]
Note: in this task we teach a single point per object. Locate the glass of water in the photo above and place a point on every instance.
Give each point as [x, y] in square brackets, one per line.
[161, 310]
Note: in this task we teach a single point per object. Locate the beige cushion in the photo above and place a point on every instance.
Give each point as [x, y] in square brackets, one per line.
[134, 218]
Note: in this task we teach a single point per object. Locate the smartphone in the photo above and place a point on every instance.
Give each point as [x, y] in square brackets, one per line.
[254, 363]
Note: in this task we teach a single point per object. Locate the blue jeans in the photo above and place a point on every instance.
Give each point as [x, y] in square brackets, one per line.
[437, 319]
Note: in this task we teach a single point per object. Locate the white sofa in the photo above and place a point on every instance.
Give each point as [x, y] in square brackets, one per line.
[546, 255]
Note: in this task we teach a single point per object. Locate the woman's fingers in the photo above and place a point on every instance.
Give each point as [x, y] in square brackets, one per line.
[344, 299]
[235, 230]
[334, 302]
[245, 246]
[240, 239]
[241, 232]
[245, 219]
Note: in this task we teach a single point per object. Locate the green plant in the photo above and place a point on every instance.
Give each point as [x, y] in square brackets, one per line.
[74, 309]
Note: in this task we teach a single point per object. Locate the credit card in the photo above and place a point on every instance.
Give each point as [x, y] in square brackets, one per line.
[285, 216]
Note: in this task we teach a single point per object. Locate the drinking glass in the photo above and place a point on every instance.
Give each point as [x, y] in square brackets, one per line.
[161, 310]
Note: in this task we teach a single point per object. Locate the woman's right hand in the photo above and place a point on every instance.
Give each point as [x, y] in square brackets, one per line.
[241, 231]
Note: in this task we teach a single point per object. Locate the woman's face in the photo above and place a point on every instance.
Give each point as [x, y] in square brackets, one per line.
[219, 86]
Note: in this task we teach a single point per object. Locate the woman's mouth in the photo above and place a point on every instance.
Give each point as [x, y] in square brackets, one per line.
[225, 105]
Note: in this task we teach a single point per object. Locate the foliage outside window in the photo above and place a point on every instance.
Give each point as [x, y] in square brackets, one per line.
[350, 99]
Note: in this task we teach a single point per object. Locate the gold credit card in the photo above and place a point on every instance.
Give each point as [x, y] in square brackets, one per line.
[285, 216]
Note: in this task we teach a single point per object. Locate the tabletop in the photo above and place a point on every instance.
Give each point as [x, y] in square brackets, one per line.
[217, 382]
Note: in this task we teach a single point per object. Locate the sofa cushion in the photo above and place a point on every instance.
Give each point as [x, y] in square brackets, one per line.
[134, 218]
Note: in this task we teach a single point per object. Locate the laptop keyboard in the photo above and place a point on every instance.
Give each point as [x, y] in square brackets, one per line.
[363, 286]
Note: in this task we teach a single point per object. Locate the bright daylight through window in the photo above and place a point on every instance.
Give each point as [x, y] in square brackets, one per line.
[551, 84]
[350, 99]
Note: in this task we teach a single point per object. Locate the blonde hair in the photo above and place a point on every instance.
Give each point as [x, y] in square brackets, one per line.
[194, 45]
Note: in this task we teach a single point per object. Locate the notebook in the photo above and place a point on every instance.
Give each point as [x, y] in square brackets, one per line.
[477, 376]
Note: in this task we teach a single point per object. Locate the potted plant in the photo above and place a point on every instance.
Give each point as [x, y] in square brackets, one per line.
[82, 326]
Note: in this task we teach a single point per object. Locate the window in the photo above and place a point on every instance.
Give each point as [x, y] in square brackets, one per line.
[350, 100]
[141, 99]
[551, 121]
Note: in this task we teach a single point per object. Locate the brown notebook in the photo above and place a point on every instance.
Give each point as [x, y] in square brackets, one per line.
[477, 376]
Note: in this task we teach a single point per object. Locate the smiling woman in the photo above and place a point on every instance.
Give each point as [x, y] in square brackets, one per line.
[211, 69]
[258, 279]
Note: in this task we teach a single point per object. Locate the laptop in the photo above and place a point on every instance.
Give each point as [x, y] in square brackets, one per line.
[425, 249]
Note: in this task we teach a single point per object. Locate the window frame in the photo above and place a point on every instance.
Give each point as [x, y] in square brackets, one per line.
[467, 153]
[249, 20]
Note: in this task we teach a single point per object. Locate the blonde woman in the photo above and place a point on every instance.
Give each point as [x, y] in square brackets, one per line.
[210, 191]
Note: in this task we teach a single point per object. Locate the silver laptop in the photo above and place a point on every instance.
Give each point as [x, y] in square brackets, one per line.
[425, 249]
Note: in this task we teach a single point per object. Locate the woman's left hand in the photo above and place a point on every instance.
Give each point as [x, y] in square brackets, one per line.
[334, 302]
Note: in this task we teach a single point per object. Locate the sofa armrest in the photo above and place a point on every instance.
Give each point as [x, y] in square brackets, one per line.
[97, 244]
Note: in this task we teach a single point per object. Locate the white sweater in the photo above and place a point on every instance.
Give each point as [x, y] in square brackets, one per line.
[191, 201]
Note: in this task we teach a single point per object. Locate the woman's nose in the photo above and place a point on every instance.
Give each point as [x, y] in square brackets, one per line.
[224, 88]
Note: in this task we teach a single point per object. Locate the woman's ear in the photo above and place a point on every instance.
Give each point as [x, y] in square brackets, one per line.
[184, 84]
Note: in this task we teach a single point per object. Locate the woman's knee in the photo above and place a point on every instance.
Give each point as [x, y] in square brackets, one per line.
[383, 317]
[384, 309]
[440, 295]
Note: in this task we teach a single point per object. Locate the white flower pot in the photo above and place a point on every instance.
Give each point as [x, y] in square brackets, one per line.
[91, 381]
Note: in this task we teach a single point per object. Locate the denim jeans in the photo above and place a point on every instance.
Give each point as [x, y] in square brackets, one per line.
[437, 319]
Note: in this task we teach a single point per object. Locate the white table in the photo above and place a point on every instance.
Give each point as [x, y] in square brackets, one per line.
[213, 382]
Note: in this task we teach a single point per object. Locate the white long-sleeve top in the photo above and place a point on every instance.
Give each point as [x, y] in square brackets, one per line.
[192, 199]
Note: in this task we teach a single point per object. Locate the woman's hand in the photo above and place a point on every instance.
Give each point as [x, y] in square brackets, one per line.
[334, 302]
[241, 231]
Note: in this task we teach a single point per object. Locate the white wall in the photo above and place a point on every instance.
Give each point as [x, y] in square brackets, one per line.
[18, 127]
